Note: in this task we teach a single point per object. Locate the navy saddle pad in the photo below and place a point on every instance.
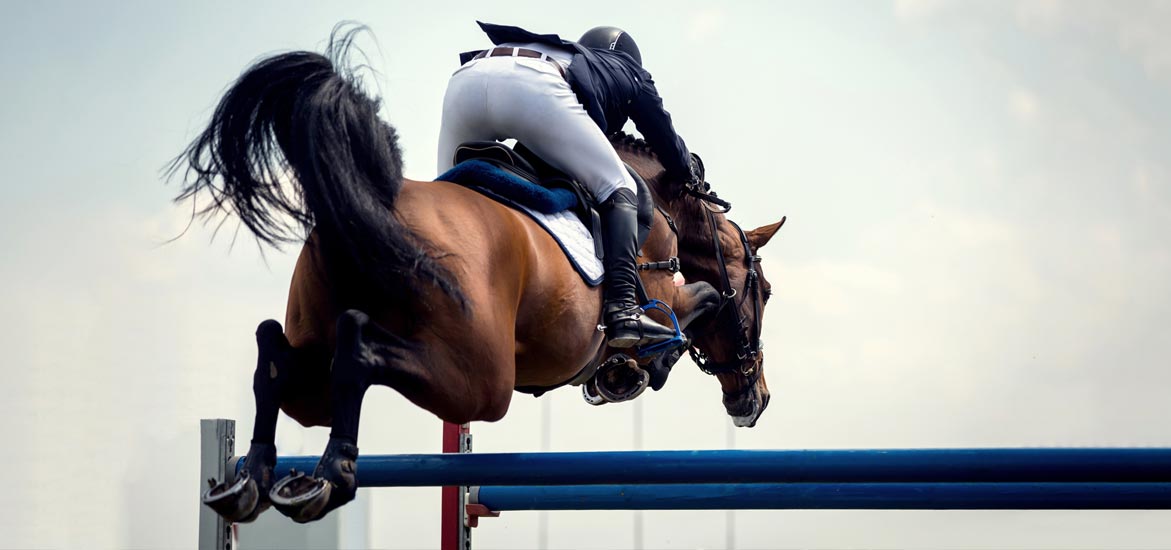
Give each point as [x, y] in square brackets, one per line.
[501, 182]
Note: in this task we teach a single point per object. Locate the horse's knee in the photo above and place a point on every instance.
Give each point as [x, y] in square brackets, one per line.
[699, 300]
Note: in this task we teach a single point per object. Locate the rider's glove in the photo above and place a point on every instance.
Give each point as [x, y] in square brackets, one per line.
[697, 173]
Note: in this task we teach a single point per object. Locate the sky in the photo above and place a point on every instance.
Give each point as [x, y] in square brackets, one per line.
[976, 255]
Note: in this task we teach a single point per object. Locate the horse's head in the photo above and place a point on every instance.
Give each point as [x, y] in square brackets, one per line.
[713, 249]
[727, 344]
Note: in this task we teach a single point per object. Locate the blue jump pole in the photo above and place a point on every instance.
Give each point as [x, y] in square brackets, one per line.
[837, 496]
[1038, 465]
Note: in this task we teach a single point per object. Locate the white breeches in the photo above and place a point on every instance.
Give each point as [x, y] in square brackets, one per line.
[526, 99]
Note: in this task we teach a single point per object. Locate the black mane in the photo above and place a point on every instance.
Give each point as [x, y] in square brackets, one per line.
[632, 143]
[689, 212]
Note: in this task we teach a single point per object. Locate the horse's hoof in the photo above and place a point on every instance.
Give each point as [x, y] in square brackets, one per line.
[621, 381]
[589, 392]
[660, 367]
[238, 502]
[300, 497]
[334, 483]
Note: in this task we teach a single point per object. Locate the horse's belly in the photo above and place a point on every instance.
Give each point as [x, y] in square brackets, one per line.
[557, 333]
[552, 364]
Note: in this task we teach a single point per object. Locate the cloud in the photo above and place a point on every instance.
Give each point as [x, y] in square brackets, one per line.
[1137, 29]
[123, 343]
[1024, 104]
[1038, 14]
[1143, 33]
[705, 24]
[828, 287]
[917, 10]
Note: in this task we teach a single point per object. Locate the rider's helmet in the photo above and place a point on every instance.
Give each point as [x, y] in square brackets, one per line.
[611, 38]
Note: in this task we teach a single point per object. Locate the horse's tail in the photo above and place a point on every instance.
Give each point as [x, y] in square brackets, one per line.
[295, 145]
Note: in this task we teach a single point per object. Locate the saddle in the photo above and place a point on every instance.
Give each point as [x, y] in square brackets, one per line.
[545, 188]
[518, 175]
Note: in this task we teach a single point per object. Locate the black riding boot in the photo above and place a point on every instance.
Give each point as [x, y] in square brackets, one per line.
[626, 326]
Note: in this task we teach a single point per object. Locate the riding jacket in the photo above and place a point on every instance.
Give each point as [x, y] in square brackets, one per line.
[612, 88]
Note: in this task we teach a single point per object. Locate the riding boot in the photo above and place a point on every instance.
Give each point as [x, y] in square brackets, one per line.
[626, 325]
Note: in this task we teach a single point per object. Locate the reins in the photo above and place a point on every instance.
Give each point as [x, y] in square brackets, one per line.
[747, 340]
[702, 191]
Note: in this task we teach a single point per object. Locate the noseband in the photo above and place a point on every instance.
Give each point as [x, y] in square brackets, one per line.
[747, 337]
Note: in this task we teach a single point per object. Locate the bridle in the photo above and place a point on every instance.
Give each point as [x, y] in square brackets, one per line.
[747, 336]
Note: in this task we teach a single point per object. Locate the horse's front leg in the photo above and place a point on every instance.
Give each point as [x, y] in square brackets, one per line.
[691, 302]
[694, 301]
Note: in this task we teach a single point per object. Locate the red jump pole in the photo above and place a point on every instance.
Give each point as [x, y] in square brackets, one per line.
[455, 534]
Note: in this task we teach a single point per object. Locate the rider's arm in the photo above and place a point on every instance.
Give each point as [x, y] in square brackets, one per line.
[654, 123]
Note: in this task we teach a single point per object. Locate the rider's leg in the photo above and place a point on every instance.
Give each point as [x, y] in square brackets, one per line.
[535, 105]
[625, 324]
[463, 113]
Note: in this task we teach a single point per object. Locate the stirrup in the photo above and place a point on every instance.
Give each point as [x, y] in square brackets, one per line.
[631, 328]
[675, 341]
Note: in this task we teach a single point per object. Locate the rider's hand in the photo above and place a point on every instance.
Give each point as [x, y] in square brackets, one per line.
[696, 166]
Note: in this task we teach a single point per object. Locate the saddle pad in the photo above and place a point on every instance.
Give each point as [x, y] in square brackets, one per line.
[563, 225]
[477, 173]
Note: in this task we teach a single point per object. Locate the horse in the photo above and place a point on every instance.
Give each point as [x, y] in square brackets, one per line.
[430, 288]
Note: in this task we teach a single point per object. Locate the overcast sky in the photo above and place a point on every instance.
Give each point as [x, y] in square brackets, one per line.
[976, 253]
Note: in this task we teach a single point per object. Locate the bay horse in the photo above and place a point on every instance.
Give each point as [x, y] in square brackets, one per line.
[445, 295]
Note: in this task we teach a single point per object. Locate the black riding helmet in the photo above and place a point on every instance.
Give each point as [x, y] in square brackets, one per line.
[611, 38]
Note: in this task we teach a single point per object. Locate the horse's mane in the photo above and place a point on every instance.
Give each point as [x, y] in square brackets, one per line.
[631, 143]
[692, 235]
[652, 169]
[623, 141]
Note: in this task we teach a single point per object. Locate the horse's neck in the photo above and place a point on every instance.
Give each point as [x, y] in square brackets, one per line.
[652, 172]
[688, 215]
[692, 218]
[693, 224]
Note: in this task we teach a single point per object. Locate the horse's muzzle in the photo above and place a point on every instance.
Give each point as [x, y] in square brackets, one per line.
[746, 408]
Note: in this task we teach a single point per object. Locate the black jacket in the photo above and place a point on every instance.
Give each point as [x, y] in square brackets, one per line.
[612, 88]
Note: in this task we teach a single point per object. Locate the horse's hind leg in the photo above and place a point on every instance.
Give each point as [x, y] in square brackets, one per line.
[247, 496]
[361, 357]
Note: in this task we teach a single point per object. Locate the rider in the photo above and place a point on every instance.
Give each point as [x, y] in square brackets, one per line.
[561, 98]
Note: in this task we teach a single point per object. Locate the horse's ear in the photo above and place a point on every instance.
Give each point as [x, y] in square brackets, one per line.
[760, 236]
